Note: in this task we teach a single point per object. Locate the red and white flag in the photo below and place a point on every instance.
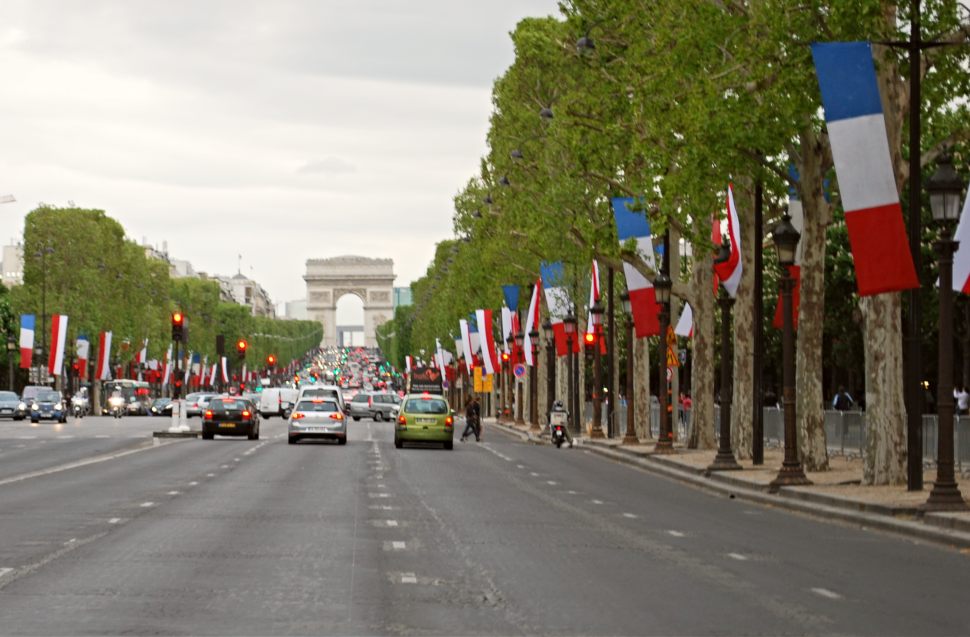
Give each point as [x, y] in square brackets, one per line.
[594, 295]
[212, 375]
[407, 364]
[103, 371]
[730, 271]
[466, 345]
[685, 324]
[225, 370]
[961, 258]
[532, 322]
[489, 357]
[82, 347]
[55, 361]
[142, 356]
[167, 375]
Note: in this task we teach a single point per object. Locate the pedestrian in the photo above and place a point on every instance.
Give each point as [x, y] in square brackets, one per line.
[842, 401]
[963, 400]
[473, 415]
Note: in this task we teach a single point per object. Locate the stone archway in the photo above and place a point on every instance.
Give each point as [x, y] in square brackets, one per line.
[372, 280]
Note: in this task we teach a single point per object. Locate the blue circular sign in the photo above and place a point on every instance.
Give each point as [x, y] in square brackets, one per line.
[519, 370]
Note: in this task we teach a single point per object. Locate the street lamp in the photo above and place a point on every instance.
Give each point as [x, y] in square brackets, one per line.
[944, 188]
[11, 348]
[519, 420]
[786, 242]
[550, 365]
[724, 460]
[596, 314]
[569, 323]
[534, 381]
[42, 253]
[630, 438]
[662, 285]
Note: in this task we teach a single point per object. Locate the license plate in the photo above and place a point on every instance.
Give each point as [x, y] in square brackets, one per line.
[317, 429]
[227, 424]
[427, 421]
[6, 411]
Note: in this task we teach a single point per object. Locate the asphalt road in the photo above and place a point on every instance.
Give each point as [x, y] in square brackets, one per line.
[238, 537]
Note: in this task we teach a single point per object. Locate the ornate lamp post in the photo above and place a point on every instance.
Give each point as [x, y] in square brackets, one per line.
[550, 365]
[630, 438]
[661, 286]
[944, 188]
[596, 312]
[570, 324]
[724, 460]
[12, 346]
[534, 382]
[519, 420]
[786, 241]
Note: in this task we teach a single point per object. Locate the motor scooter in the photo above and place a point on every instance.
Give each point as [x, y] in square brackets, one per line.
[558, 419]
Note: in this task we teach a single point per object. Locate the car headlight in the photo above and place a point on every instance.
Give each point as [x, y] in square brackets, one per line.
[22, 406]
[35, 406]
[60, 407]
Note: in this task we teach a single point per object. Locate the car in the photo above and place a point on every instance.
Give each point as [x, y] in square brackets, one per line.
[230, 416]
[277, 401]
[376, 405]
[424, 418]
[48, 405]
[323, 391]
[317, 418]
[161, 407]
[11, 406]
[138, 406]
[195, 403]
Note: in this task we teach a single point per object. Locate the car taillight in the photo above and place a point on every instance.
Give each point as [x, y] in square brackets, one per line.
[449, 421]
[298, 416]
[246, 414]
[337, 416]
[401, 420]
[370, 401]
[208, 414]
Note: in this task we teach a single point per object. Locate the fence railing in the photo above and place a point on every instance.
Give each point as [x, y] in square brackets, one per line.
[845, 431]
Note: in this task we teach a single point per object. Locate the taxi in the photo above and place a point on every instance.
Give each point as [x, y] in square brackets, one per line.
[424, 417]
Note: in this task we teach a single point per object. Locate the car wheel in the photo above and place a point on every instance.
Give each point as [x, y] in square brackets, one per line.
[342, 441]
[450, 444]
[207, 436]
[35, 420]
[18, 417]
[292, 441]
[356, 418]
[398, 443]
[378, 416]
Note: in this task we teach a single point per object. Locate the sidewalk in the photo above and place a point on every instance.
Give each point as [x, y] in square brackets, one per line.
[835, 494]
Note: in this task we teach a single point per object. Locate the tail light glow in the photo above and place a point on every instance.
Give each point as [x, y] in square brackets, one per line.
[449, 421]
[208, 414]
[401, 420]
[246, 414]
[336, 416]
[298, 416]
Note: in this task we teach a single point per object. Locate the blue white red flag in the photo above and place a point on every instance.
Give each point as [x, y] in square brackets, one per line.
[557, 300]
[103, 371]
[867, 184]
[511, 294]
[55, 361]
[631, 224]
[730, 271]
[27, 323]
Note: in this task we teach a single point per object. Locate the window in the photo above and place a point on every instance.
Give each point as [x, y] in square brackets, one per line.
[324, 406]
[426, 406]
[227, 405]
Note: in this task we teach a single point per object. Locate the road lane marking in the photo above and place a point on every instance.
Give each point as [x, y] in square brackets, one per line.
[145, 505]
[570, 492]
[391, 522]
[114, 520]
[738, 556]
[65, 437]
[632, 516]
[5, 570]
[675, 533]
[520, 466]
[225, 466]
[26, 437]
[398, 546]
[378, 495]
[210, 475]
[193, 483]
[824, 592]
[173, 492]
[102, 436]
[236, 459]
[75, 465]
[597, 501]
[551, 483]
[533, 474]
[408, 578]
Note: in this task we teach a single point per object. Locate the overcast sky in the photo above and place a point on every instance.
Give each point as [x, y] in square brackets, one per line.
[281, 130]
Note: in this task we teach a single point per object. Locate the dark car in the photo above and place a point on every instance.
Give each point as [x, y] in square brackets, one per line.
[48, 405]
[230, 416]
[11, 406]
[161, 407]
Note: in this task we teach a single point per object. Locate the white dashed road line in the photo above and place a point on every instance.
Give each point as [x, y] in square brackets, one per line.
[597, 501]
[824, 592]
[173, 492]
[145, 505]
[5, 570]
[675, 533]
[632, 516]
[408, 578]
[738, 556]
[114, 520]
[398, 546]
[391, 522]
[551, 483]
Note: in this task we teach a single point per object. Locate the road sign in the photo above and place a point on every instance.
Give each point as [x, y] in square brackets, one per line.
[671, 337]
[483, 383]
[519, 370]
[672, 357]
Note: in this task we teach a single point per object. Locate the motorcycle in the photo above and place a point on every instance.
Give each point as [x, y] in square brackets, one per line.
[558, 435]
[558, 418]
[116, 406]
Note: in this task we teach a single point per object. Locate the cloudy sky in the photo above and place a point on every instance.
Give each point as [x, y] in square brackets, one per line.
[281, 130]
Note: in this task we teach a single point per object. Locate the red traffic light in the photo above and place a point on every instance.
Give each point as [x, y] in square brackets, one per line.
[270, 360]
[241, 345]
[590, 338]
[505, 356]
[177, 318]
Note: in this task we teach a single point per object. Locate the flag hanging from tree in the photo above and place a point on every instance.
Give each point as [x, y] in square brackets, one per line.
[730, 271]
[27, 322]
[634, 225]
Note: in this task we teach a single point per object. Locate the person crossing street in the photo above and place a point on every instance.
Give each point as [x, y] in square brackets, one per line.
[473, 419]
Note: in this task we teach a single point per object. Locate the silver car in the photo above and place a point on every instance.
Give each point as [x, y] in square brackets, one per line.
[317, 418]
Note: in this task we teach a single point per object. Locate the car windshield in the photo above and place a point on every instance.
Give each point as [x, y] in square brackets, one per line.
[319, 392]
[48, 397]
[426, 406]
[310, 405]
[8, 395]
[361, 398]
[228, 404]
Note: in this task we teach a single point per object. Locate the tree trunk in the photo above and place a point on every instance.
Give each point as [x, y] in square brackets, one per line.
[702, 376]
[885, 451]
[809, 397]
[743, 326]
[641, 387]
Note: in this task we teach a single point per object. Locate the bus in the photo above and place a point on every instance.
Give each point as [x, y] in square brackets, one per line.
[136, 395]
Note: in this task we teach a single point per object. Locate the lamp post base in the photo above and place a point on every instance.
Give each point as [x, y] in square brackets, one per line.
[664, 445]
[790, 475]
[534, 427]
[630, 439]
[596, 432]
[724, 461]
[945, 496]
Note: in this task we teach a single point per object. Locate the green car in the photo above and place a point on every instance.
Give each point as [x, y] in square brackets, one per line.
[424, 418]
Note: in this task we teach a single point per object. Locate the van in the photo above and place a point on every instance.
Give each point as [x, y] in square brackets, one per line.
[277, 401]
[324, 391]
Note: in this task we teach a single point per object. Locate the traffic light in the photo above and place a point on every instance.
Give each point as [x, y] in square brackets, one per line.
[590, 339]
[505, 357]
[178, 323]
[271, 361]
[241, 346]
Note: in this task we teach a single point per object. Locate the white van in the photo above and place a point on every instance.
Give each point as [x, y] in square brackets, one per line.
[277, 401]
[324, 391]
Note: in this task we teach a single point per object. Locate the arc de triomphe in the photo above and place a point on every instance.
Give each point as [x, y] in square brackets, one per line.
[371, 280]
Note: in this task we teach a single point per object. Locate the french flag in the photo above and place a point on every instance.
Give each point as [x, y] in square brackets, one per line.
[860, 149]
[82, 348]
[489, 357]
[27, 323]
[557, 299]
[961, 258]
[594, 296]
[55, 361]
[103, 371]
[730, 271]
[643, 298]
[532, 322]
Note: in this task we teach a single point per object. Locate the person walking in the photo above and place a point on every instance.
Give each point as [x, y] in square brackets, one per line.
[962, 399]
[473, 419]
[842, 401]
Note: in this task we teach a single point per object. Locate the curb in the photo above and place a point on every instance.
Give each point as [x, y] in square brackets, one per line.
[936, 528]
